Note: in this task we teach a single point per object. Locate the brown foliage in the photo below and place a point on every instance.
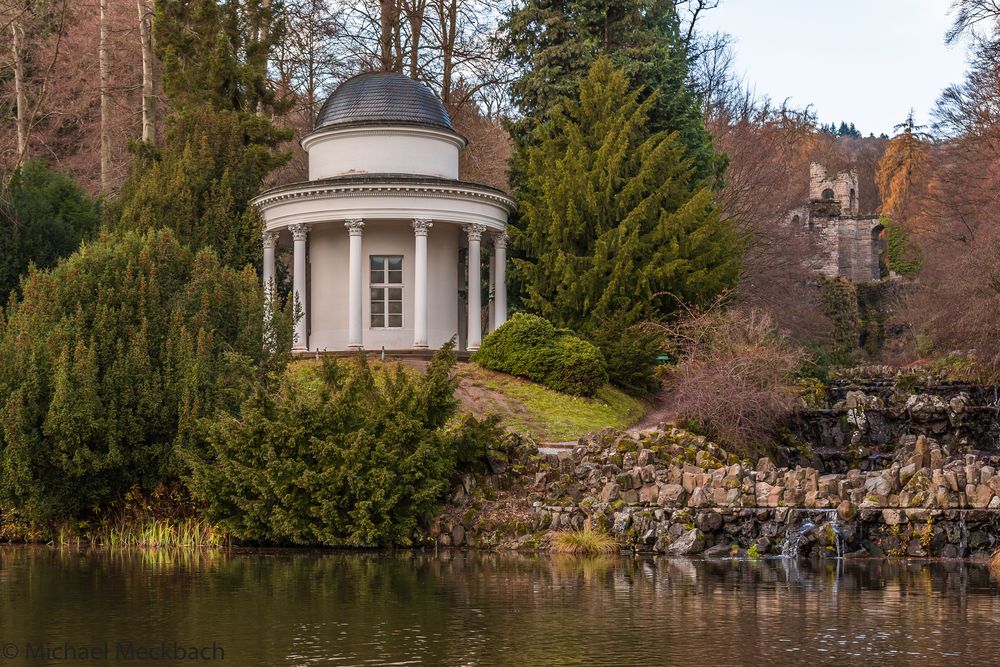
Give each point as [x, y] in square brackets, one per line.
[953, 215]
[486, 157]
[768, 175]
[902, 168]
[737, 377]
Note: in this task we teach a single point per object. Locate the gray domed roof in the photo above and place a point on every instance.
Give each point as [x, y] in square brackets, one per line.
[383, 98]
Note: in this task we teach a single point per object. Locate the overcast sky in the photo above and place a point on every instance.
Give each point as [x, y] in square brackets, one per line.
[862, 61]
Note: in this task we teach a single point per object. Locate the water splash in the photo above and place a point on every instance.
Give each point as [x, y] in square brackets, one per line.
[796, 538]
[963, 539]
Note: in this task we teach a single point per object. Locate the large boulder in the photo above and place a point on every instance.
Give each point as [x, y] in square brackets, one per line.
[690, 543]
[926, 408]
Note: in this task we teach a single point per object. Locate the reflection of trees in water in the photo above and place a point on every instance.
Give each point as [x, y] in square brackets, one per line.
[471, 608]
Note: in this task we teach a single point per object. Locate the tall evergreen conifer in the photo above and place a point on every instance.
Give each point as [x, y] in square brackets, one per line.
[553, 43]
[613, 221]
[220, 143]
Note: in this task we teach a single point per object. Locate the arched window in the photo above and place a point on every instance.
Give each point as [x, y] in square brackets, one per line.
[852, 199]
[828, 194]
[796, 221]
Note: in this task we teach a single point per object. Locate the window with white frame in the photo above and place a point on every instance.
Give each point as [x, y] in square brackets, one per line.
[386, 285]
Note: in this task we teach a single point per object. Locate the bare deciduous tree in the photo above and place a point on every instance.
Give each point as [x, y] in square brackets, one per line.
[102, 59]
[145, 23]
[970, 15]
[737, 377]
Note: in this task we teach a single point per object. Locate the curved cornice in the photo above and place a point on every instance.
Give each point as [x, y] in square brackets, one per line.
[368, 128]
[383, 186]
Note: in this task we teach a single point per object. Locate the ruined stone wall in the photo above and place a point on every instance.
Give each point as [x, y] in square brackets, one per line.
[843, 184]
[822, 234]
[860, 249]
[844, 243]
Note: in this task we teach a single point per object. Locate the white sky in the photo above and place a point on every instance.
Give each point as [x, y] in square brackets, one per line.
[862, 61]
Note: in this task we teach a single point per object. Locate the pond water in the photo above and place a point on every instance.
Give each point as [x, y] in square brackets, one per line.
[317, 608]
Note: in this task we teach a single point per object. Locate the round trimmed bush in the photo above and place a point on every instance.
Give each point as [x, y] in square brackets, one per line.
[531, 347]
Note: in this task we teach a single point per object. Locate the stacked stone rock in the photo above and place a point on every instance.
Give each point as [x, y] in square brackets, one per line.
[673, 492]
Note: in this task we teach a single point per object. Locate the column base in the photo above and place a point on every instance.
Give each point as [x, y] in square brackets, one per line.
[420, 346]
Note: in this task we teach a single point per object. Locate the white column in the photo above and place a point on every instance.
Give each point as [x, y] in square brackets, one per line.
[500, 268]
[475, 334]
[491, 322]
[270, 240]
[355, 269]
[420, 229]
[299, 235]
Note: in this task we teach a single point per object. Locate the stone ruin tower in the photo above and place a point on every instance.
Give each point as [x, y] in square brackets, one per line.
[847, 244]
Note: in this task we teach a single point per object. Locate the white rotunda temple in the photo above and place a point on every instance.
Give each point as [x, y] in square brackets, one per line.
[385, 239]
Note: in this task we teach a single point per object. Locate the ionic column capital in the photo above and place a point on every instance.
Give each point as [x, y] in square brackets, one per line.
[421, 226]
[355, 226]
[299, 231]
[270, 239]
[475, 232]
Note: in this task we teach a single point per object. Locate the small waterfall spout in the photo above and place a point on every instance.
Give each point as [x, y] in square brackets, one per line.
[795, 539]
[809, 531]
[963, 540]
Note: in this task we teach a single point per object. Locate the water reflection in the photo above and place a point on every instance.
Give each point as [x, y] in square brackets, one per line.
[491, 609]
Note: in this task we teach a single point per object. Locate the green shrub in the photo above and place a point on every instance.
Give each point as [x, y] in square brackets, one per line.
[531, 347]
[106, 362]
[580, 367]
[630, 353]
[44, 215]
[840, 302]
[903, 255]
[337, 456]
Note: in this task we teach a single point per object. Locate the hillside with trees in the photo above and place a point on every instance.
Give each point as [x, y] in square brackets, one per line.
[651, 187]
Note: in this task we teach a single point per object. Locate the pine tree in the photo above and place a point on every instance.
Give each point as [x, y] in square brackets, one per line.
[613, 222]
[554, 43]
[44, 215]
[219, 145]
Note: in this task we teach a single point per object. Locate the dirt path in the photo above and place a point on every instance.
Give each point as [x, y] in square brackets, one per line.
[662, 411]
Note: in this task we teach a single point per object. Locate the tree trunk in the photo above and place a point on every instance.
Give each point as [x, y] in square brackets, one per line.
[262, 34]
[21, 100]
[148, 96]
[105, 99]
[415, 16]
[447, 18]
[385, 34]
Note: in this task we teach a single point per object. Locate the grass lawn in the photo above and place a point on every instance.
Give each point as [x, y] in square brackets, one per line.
[523, 406]
[547, 415]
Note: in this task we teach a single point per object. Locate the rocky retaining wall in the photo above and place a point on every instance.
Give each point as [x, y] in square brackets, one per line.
[672, 492]
[858, 421]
